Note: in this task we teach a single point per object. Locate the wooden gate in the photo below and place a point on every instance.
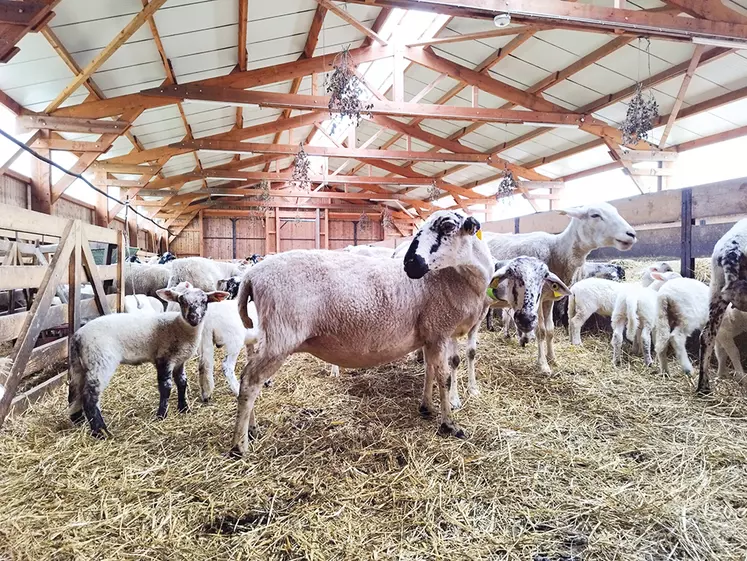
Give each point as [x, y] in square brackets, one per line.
[25, 267]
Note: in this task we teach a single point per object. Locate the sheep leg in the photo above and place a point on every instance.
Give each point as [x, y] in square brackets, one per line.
[646, 344]
[258, 369]
[335, 371]
[426, 403]
[489, 319]
[544, 367]
[662, 346]
[91, 408]
[471, 354]
[617, 339]
[163, 372]
[678, 343]
[454, 360]
[725, 347]
[576, 323]
[180, 378]
[207, 361]
[508, 321]
[708, 340]
[549, 328]
[229, 370]
[435, 356]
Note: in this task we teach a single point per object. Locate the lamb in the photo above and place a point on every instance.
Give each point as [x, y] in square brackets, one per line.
[199, 272]
[647, 275]
[142, 304]
[161, 259]
[635, 308]
[591, 227]
[167, 340]
[728, 286]
[386, 310]
[733, 324]
[222, 327]
[146, 279]
[607, 271]
[370, 251]
[681, 309]
[230, 268]
[587, 297]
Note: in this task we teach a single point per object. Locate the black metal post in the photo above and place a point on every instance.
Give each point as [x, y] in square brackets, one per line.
[517, 225]
[687, 261]
[355, 233]
[233, 235]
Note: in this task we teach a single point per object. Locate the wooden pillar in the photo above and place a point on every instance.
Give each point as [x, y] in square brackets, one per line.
[101, 203]
[317, 230]
[687, 261]
[277, 230]
[233, 237]
[121, 255]
[75, 278]
[201, 238]
[267, 232]
[326, 228]
[131, 229]
[41, 180]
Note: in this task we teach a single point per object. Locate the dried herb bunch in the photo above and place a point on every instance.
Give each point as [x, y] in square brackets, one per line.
[507, 185]
[301, 168]
[387, 222]
[364, 223]
[642, 115]
[345, 89]
[264, 186]
[433, 192]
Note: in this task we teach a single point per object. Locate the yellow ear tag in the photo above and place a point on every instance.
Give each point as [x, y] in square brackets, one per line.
[555, 292]
[479, 234]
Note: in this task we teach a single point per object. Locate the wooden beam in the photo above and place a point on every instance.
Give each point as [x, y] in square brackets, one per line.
[680, 99]
[20, 13]
[106, 52]
[249, 79]
[68, 145]
[71, 124]
[436, 41]
[11, 104]
[107, 166]
[243, 23]
[346, 17]
[41, 181]
[12, 33]
[711, 139]
[713, 10]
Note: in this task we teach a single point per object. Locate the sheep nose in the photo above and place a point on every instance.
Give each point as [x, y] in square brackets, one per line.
[631, 233]
[416, 267]
[525, 320]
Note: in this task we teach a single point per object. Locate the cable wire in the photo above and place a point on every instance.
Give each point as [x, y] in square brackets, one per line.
[38, 156]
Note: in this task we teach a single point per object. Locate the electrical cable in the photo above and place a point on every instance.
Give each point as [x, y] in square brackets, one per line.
[38, 156]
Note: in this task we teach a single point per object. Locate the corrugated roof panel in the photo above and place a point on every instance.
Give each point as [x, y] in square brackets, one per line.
[200, 62]
[543, 55]
[158, 115]
[729, 72]
[573, 41]
[633, 63]
[470, 53]
[602, 80]
[572, 93]
[735, 112]
[698, 90]
[139, 74]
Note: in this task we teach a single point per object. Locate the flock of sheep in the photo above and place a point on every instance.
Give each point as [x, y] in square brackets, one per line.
[367, 306]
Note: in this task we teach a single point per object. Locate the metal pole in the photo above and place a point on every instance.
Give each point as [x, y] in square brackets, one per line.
[687, 262]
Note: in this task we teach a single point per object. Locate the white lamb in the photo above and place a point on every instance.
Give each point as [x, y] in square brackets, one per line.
[142, 304]
[166, 340]
[647, 277]
[681, 309]
[733, 324]
[587, 297]
[200, 272]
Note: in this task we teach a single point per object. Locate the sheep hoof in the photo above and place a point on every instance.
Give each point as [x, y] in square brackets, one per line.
[425, 411]
[161, 415]
[253, 433]
[456, 403]
[78, 417]
[704, 390]
[268, 383]
[101, 434]
[452, 429]
[206, 399]
[474, 391]
[184, 408]
[235, 453]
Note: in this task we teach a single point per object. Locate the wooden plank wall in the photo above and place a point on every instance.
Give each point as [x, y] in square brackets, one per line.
[13, 191]
[187, 243]
[341, 234]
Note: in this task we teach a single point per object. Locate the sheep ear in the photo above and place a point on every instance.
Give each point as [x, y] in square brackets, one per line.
[577, 212]
[499, 275]
[657, 276]
[168, 295]
[558, 287]
[217, 296]
[471, 226]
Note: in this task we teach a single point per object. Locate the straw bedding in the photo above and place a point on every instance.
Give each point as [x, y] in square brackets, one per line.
[594, 463]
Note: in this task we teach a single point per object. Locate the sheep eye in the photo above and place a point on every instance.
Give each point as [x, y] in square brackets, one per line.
[595, 215]
[447, 227]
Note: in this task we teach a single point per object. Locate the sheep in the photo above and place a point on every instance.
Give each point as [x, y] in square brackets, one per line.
[133, 259]
[587, 297]
[254, 258]
[5, 366]
[607, 271]
[635, 308]
[733, 324]
[230, 268]
[384, 311]
[146, 279]
[728, 286]
[161, 259]
[661, 267]
[166, 340]
[681, 309]
[142, 304]
[370, 251]
[200, 272]
[591, 227]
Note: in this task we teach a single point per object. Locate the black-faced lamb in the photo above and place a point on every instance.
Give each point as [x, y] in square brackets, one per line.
[728, 286]
[166, 340]
[591, 227]
[384, 311]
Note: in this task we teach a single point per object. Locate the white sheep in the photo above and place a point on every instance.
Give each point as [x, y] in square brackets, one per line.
[222, 327]
[591, 227]
[681, 309]
[200, 272]
[385, 310]
[647, 275]
[733, 324]
[728, 286]
[634, 313]
[167, 340]
[5, 365]
[590, 296]
[146, 279]
[370, 250]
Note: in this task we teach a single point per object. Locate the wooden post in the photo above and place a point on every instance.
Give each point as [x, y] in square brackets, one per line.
[277, 230]
[687, 261]
[267, 232]
[101, 204]
[233, 237]
[317, 230]
[41, 180]
[75, 278]
[355, 232]
[121, 252]
[326, 228]
[200, 234]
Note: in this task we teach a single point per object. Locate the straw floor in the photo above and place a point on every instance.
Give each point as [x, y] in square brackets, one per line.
[594, 463]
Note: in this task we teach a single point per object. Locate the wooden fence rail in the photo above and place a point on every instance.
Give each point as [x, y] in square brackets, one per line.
[28, 267]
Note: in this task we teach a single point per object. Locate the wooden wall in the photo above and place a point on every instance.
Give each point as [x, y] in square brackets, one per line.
[13, 191]
[218, 236]
[186, 244]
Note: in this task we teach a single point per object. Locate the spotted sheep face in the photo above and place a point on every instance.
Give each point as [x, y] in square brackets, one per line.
[166, 257]
[734, 263]
[193, 302]
[522, 281]
[445, 240]
[601, 225]
[231, 286]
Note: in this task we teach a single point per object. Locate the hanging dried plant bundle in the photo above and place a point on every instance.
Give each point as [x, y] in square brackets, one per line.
[264, 186]
[345, 89]
[301, 168]
[387, 222]
[433, 192]
[641, 117]
[364, 223]
[507, 185]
